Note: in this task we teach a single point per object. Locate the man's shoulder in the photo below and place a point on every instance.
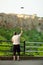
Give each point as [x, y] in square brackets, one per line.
[14, 35]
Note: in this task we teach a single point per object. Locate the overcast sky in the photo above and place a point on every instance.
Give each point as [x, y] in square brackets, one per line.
[14, 6]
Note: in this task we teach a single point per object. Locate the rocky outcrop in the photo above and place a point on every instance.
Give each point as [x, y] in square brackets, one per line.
[18, 20]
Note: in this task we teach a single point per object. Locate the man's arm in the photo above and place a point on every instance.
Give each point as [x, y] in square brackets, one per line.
[21, 32]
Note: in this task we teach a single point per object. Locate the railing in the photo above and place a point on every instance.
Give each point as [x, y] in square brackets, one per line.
[28, 47]
[8, 45]
[34, 47]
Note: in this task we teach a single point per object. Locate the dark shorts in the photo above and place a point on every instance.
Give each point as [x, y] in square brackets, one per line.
[16, 48]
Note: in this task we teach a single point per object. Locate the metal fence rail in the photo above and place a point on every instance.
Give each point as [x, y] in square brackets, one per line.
[35, 42]
[25, 46]
[8, 45]
[33, 45]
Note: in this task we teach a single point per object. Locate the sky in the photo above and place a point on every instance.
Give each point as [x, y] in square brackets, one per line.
[14, 6]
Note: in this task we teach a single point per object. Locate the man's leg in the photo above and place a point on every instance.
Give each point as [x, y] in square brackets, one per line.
[14, 51]
[18, 51]
[14, 58]
[18, 57]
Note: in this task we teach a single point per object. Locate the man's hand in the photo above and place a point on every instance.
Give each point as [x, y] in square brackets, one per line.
[21, 31]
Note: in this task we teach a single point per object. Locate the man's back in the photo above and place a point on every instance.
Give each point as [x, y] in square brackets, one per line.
[16, 39]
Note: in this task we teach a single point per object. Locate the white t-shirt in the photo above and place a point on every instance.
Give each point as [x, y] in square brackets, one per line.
[16, 39]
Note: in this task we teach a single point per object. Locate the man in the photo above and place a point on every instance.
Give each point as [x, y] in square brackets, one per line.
[16, 44]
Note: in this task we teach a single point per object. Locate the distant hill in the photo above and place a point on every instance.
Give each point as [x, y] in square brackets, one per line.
[28, 22]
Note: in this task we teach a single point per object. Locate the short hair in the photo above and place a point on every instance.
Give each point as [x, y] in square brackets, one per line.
[15, 33]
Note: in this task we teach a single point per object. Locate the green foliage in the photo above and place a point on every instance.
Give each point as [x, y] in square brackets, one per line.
[2, 38]
[28, 35]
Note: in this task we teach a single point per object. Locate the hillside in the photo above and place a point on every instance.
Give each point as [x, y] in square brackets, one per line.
[28, 22]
